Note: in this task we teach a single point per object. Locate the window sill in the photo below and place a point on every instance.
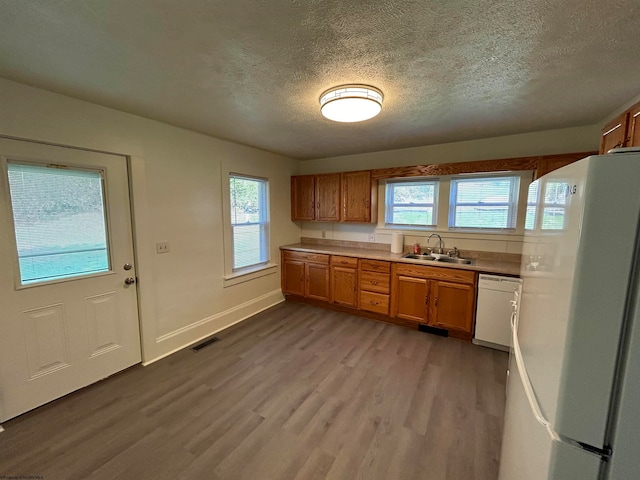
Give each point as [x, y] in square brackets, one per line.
[248, 274]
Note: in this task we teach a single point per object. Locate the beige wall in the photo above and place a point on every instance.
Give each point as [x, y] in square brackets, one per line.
[566, 140]
[549, 142]
[177, 178]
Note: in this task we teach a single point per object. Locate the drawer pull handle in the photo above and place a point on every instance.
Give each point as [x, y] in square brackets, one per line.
[373, 303]
[374, 282]
[375, 266]
[343, 262]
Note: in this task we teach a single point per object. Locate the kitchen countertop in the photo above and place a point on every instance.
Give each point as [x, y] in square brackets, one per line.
[482, 266]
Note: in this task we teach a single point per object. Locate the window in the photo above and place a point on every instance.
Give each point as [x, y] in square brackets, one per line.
[553, 205]
[484, 202]
[411, 203]
[249, 221]
[59, 219]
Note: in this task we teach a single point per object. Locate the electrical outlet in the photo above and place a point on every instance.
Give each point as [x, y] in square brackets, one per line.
[371, 237]
[162, 247]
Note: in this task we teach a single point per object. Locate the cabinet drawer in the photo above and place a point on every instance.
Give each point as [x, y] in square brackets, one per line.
[436, 273]
[344, 261]
[374, 302]
[375, 265]
[374, 282]
[307, 257]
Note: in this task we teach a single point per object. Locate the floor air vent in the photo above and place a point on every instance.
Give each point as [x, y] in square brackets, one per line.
[206, 343]
[436, 331]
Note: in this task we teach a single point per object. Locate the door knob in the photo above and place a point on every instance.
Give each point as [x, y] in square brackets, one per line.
[129, 281]
[127, 266]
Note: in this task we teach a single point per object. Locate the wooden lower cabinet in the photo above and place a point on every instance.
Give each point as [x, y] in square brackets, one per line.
[404, 293]
[317, 281]
[293, 277]
[344, 281]
[305, 275]
[374, 286]
[452, 306]
[411, 298]
[434, 296]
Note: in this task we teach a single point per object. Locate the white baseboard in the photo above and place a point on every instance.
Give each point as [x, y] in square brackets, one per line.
[183, 337]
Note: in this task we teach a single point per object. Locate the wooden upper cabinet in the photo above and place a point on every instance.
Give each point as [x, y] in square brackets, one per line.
[327, 196]
[633, 133]
[303, 200]
[622, 131]
[614, 134]
[359, 197]
[334, 197]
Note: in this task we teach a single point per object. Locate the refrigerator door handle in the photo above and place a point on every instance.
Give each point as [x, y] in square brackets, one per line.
[535, 406]
[526, 382]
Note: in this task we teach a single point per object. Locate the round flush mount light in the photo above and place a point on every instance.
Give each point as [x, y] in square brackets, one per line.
[351, 103]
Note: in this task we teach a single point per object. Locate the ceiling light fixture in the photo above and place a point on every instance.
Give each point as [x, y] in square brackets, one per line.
[351, 103]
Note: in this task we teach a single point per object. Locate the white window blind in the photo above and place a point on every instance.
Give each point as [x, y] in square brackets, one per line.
[411, 202]
[484, 202]
[60, 222]
[249, 221]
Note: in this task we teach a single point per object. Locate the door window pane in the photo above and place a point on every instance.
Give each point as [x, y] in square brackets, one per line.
[60, 222]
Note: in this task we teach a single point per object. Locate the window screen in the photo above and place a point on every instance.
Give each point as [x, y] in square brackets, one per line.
[484, 202]
[411, 203]
[60, 222]
[249, 221]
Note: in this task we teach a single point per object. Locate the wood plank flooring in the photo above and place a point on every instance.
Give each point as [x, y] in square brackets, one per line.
[296, 392]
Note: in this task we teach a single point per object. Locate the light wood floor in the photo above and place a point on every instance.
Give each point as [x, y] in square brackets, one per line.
[296, 392]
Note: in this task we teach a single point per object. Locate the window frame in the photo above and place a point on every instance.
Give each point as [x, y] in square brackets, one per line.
[388, 204]
[263, 223]
[512, 204]
[20, 283]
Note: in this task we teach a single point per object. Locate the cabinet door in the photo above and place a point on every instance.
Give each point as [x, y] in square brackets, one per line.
[344, 286]
[303, 197]
[317, 281]
[328, 197]
[293, 274]
[614, 134]
[634, 127]
[452, 306]
[358, 197]
[410, 298]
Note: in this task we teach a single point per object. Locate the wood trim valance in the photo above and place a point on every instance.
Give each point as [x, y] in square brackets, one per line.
[541, 164]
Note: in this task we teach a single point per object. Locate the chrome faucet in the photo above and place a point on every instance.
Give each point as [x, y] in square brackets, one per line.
[440, 248]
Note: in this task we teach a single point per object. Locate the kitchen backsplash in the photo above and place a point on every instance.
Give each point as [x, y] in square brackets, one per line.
[366, 233]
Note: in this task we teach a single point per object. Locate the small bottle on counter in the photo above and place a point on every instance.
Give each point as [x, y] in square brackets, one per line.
[416, 248]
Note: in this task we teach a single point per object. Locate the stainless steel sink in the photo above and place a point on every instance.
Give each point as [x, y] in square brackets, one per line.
[416, 256]
[442, 259]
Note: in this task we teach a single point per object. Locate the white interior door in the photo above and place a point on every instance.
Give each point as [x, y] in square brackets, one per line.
[69, 317]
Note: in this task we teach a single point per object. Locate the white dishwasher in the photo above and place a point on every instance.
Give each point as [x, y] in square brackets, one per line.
[493, 312]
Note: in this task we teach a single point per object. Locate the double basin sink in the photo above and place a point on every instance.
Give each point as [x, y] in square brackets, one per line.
[438, 258]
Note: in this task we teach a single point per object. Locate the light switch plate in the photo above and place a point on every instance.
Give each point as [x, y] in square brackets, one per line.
[162, 247]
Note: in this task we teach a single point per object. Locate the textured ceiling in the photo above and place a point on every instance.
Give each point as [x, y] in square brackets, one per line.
[252, 71]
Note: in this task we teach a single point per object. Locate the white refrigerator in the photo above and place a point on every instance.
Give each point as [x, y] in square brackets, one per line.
[573, 391]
